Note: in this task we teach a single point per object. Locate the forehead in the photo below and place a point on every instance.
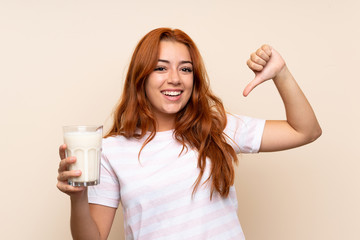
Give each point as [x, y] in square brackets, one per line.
[172, 50]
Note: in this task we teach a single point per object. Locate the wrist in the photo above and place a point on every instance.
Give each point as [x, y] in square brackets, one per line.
[79, 196]
[282, 74]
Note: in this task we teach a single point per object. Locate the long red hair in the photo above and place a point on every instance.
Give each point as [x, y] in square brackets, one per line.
[200, 124]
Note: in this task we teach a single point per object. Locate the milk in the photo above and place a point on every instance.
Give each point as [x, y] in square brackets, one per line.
[86, 146]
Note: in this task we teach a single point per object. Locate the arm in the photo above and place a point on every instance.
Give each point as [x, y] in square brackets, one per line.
[301, 126]
[88, 221]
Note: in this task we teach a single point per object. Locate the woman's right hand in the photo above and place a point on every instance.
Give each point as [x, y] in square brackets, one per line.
[65, 174]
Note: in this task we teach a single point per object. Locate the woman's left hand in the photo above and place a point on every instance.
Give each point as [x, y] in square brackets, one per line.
[301, 126]
[266, 63]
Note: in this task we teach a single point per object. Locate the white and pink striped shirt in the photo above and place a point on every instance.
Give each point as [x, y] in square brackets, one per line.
[156, 191]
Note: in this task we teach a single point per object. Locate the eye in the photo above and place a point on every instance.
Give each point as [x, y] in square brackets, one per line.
[160, 69]
[187, 69]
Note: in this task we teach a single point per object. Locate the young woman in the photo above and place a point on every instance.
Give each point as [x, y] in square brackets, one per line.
[169, 155]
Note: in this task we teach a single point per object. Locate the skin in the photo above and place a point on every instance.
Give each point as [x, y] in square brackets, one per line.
[301, 126]
[91, 221]
[172, 75]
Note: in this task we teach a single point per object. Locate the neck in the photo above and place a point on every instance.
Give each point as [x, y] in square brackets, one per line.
[165, 122]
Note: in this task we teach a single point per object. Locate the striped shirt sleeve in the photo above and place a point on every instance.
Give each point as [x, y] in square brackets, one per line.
[106, 193]
[244, 133]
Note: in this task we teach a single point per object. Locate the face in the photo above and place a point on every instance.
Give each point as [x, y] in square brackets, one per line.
[170, 85]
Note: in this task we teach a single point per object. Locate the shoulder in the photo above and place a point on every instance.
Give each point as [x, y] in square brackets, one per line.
[114, 140]
[118, 142]
[119, 149]
[244, 133]
[238, 121]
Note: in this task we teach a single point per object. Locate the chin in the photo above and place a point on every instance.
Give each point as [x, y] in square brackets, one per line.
[172, 109]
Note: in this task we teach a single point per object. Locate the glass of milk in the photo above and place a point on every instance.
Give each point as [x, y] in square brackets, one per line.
[84, 142]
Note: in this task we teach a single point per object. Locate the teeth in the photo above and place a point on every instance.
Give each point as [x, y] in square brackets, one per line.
[172, 93]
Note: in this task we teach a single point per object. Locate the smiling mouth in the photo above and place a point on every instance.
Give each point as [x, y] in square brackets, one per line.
[171, 93]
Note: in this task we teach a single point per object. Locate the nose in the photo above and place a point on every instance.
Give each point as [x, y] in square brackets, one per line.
[174, 77]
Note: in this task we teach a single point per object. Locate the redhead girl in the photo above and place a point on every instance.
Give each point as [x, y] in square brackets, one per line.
[168, 158]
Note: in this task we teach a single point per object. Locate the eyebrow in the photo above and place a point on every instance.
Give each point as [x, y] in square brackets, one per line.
[181, 62]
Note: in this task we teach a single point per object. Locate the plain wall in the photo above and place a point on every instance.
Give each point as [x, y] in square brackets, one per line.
[63, 62]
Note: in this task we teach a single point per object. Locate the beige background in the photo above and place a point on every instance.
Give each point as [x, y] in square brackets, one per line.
[63, 62]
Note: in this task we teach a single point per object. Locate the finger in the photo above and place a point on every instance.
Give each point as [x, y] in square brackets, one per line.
[254, 66]
[63, 165]
[258, 60]
[263, 53]
[66, 188]
[62, 151]
[248, 89]
[253, 84]
[65, 175]
[267, 49]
